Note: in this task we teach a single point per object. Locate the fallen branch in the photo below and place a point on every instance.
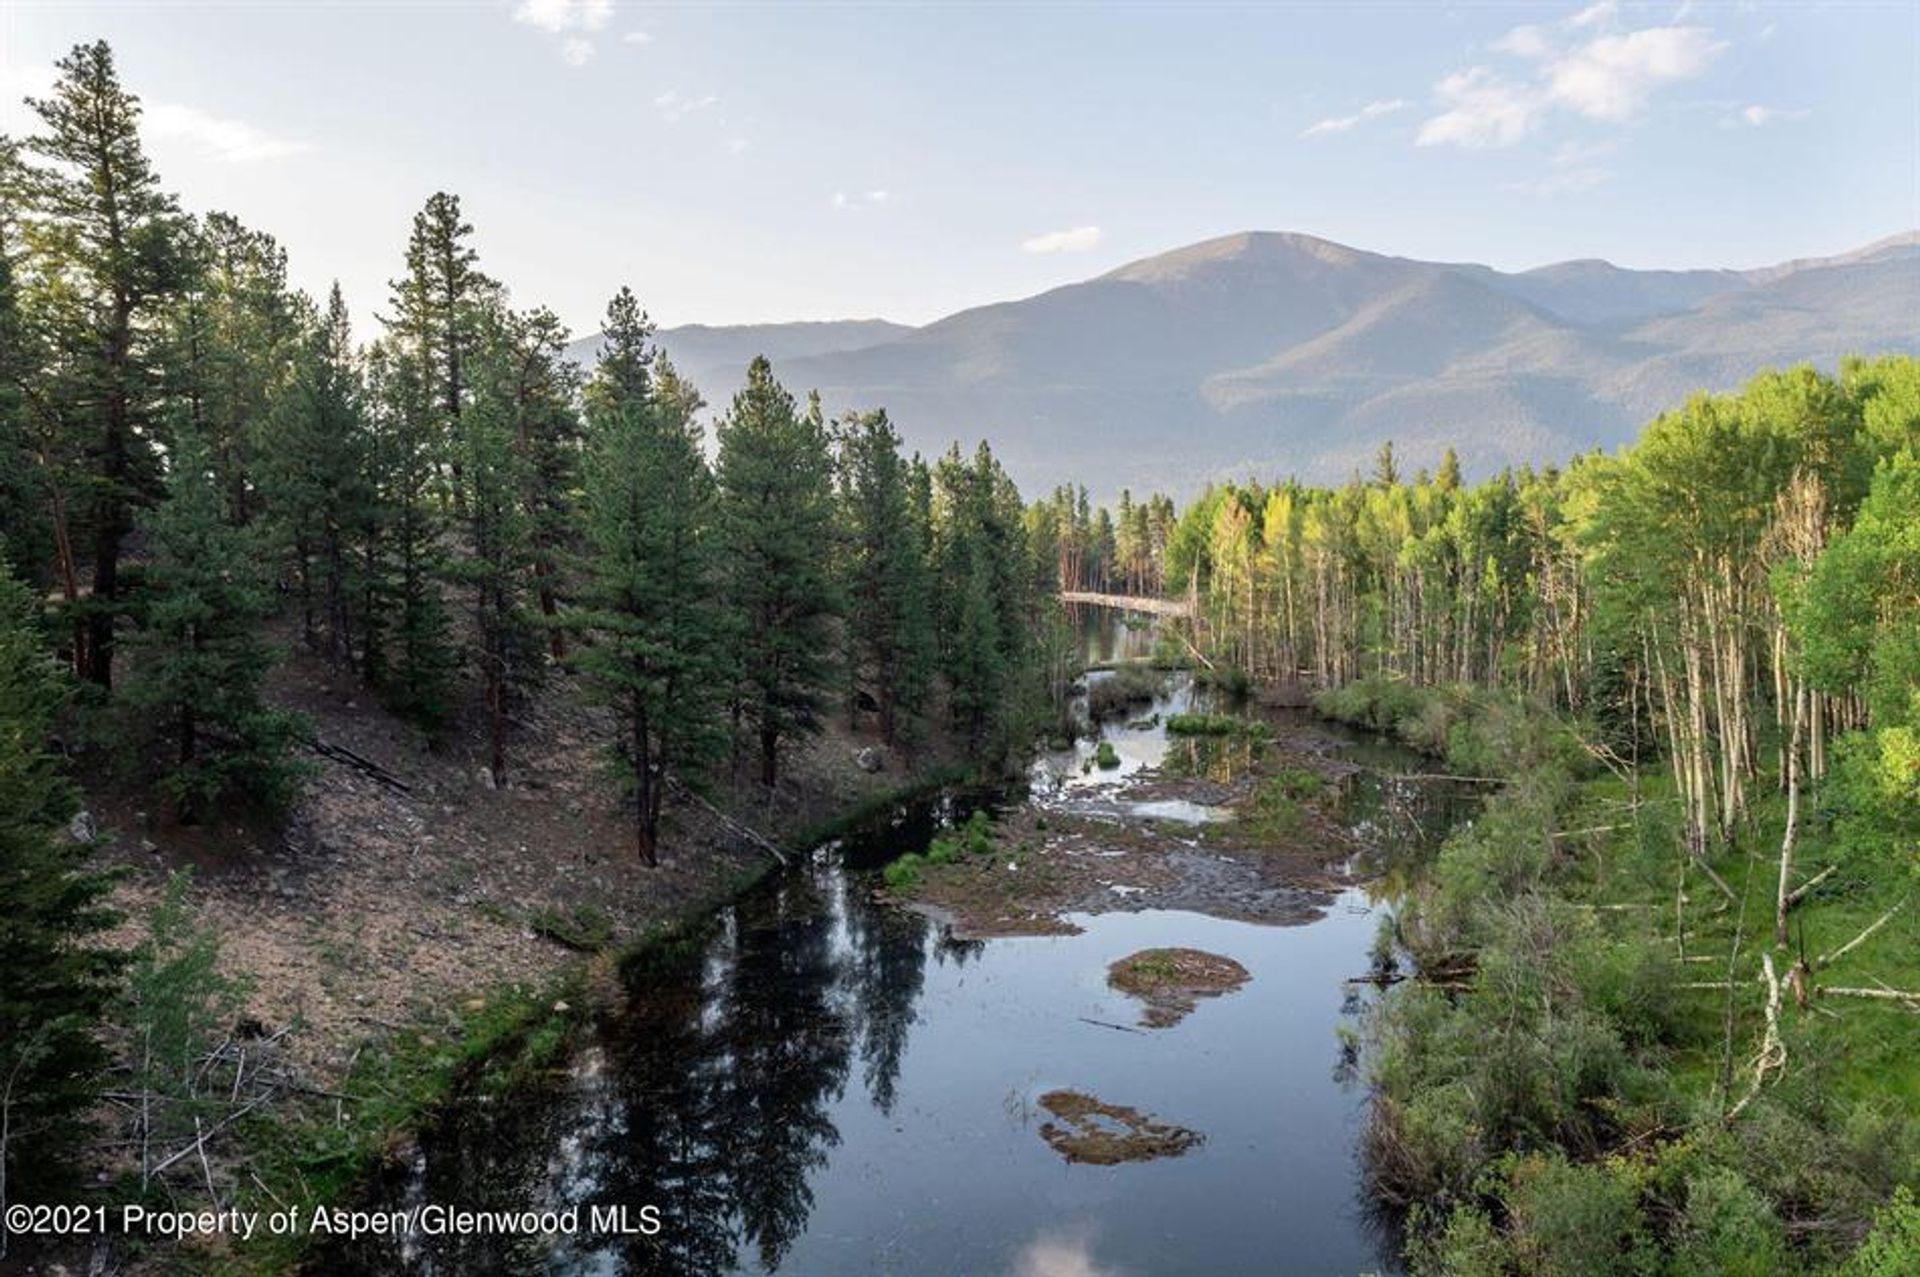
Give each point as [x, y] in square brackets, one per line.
[733, 826]
[1858, 940]
[1772, 1055]
[366, 766]
[1805, 889]
[1106, 1025]
[1912, 999]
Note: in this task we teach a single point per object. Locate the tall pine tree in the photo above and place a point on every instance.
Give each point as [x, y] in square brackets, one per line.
[775, 473]
[650, 571]
[105, 249]
[889, 628]
[316, 479]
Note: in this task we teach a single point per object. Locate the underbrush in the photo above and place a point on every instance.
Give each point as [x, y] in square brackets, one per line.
[1567, 1084]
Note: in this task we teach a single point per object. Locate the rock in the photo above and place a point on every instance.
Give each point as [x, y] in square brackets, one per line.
[485, 777]
[869, 759]
[561, 1008]
[82, 827]
[149, 846]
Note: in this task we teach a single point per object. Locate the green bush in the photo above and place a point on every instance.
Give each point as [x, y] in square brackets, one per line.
[1199, 724]
[1104, 756]
[905, 873]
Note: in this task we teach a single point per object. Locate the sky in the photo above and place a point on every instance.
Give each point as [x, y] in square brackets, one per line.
[754, 162]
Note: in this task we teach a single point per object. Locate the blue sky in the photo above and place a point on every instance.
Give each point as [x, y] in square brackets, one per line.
[750, 162]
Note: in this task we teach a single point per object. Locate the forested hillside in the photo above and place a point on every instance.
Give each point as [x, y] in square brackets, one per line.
[208, 476]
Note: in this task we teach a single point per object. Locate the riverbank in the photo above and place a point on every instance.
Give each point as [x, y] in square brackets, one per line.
[414, 930]
[1602, 1056]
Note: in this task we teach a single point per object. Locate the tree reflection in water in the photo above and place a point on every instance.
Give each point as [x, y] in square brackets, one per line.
[710, 1097]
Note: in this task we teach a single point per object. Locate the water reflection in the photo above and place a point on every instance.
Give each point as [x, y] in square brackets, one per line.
[825, 1085]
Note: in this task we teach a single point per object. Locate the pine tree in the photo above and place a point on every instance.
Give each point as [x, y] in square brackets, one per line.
[104, 242]
[439, 309]
[497, 566]
[200, 661]
[650, 571]
[54, 983]
[25, 536]
[776, 530]
[407, 647]
[316, 479]
[230, 345]
[889, 628]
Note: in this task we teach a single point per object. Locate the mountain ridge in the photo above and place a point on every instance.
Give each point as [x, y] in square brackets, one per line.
[1277, 352]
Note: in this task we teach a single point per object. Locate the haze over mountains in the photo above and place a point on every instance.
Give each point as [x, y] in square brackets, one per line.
[1272, 354]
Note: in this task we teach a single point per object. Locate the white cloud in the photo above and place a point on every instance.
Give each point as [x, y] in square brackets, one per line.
[1757, 116]
[1579, 64]
[168, 123]
[637, 37]
[576, 52]
[1595, 15]
[1076, 239]
[1612, 77]
[675, 106]
[558, 16]
[229, 141]
[1482, 109]
[1341, 123]
[858, 200]
[737, 146]
[1529, 41]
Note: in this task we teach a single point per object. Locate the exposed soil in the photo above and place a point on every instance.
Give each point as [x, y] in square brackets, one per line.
[1092, 1131]
[1171, 982]
[377, 910]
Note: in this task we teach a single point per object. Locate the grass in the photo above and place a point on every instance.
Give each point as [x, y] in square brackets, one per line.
[970, 840]
[1198, 724]
[582, 928]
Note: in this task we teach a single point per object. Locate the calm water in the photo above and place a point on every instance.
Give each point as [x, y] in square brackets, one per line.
[825, 1085]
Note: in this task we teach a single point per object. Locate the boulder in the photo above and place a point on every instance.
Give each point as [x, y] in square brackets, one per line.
[82, 827]
[869, 759]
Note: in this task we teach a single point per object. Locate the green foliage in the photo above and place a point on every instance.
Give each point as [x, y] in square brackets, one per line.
[1104, 756]
[904, 874]
[1893, 1247]
[178, 1007]
[200, 661]
[650, 570]
[54, 977]
[582, 928]
[106, 263]
[776, 532]
[889, 614]
[1201, 724]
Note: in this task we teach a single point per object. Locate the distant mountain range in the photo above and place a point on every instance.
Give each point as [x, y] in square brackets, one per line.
[1273, 354]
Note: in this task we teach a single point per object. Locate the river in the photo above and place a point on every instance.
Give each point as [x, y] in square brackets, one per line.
[827, 1084]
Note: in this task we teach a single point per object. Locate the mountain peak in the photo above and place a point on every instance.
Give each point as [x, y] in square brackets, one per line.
[1243, 247]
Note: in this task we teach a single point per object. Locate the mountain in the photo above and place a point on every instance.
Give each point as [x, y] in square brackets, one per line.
[1272, 353]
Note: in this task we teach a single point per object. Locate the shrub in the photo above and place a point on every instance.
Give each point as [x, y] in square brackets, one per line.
[1105, 758]
[1198, 724]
